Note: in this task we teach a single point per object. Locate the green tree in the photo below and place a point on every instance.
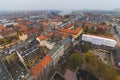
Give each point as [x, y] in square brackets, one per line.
[75, 60]
[85, 48]
[86, 30]
[103, 23]
[108, 34]
[119, 22]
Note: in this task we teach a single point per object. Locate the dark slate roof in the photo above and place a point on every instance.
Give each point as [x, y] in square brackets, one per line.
[4, 75]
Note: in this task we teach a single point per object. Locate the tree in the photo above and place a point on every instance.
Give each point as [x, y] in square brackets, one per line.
[75, 60]
[100, 31]
[85, 48]
[108, 34]
[119, 22]
[86, 30]
[103, 23]
[89, 54]
[99, 69]
[4, 40]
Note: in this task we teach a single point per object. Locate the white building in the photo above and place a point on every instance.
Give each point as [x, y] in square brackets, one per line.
[43, 42]
[99, 40]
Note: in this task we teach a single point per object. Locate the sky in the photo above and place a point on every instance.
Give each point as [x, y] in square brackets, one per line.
[58, 4]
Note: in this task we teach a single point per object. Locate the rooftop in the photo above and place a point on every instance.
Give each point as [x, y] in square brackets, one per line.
[42, 37]
[70, 31]
[88, 24]
[54, 49]
[69, 26]
[4, 75]
[1, 26]
[102, 36]
[41, 65]
[18, 71]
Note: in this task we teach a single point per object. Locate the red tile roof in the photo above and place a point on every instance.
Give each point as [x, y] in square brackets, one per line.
[89, 24]
[50, 34]
[42, 37]
[44, 26]
[97, 25]
[23, 28]
[55, 17]
[29, 22]
[31, 31]
[104, 26]
[70, 31]
[1, 26]
[41, 65]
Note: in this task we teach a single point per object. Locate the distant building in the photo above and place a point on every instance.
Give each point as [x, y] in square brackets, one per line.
[9, 33]
[9, 24]
[101, 26]
[75, 33]
[32, 32]
[23, 37]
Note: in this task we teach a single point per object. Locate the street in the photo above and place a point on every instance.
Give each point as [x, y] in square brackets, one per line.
[115, 36]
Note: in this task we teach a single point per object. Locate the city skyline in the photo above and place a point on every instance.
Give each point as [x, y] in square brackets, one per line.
[58, 4]
[59, 40]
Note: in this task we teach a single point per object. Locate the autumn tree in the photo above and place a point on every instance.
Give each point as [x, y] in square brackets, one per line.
[99, 69]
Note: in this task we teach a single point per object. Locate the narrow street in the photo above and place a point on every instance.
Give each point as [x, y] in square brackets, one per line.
[115, 36]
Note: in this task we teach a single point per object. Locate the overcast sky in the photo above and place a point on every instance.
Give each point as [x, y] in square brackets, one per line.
[58, 4]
